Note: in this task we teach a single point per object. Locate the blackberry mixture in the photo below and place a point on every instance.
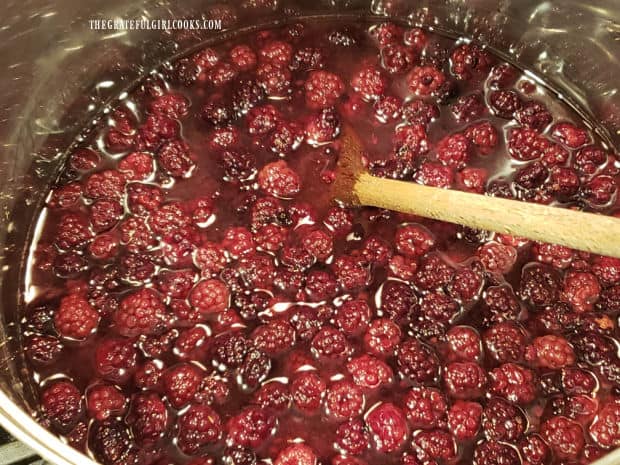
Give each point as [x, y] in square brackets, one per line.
[201, 300]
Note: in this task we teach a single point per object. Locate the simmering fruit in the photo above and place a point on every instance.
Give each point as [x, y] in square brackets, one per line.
[201, 300]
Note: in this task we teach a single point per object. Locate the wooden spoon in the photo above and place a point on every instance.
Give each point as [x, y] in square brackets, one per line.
[354, 186]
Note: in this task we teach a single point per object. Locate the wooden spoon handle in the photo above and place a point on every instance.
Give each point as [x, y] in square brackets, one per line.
[579, 230]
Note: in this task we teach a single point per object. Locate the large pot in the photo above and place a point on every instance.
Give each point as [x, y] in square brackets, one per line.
[53, 65]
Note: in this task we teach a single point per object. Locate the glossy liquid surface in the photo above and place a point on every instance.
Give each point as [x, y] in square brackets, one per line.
[197, 298]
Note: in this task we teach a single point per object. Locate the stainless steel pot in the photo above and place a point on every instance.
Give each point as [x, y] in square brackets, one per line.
[57, 74]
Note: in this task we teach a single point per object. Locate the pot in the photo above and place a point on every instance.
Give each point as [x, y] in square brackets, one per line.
[58, 74]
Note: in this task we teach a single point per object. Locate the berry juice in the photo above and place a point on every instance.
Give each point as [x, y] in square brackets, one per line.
[197, 298]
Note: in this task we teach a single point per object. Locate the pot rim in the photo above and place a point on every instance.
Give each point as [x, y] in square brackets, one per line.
[24, 428]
